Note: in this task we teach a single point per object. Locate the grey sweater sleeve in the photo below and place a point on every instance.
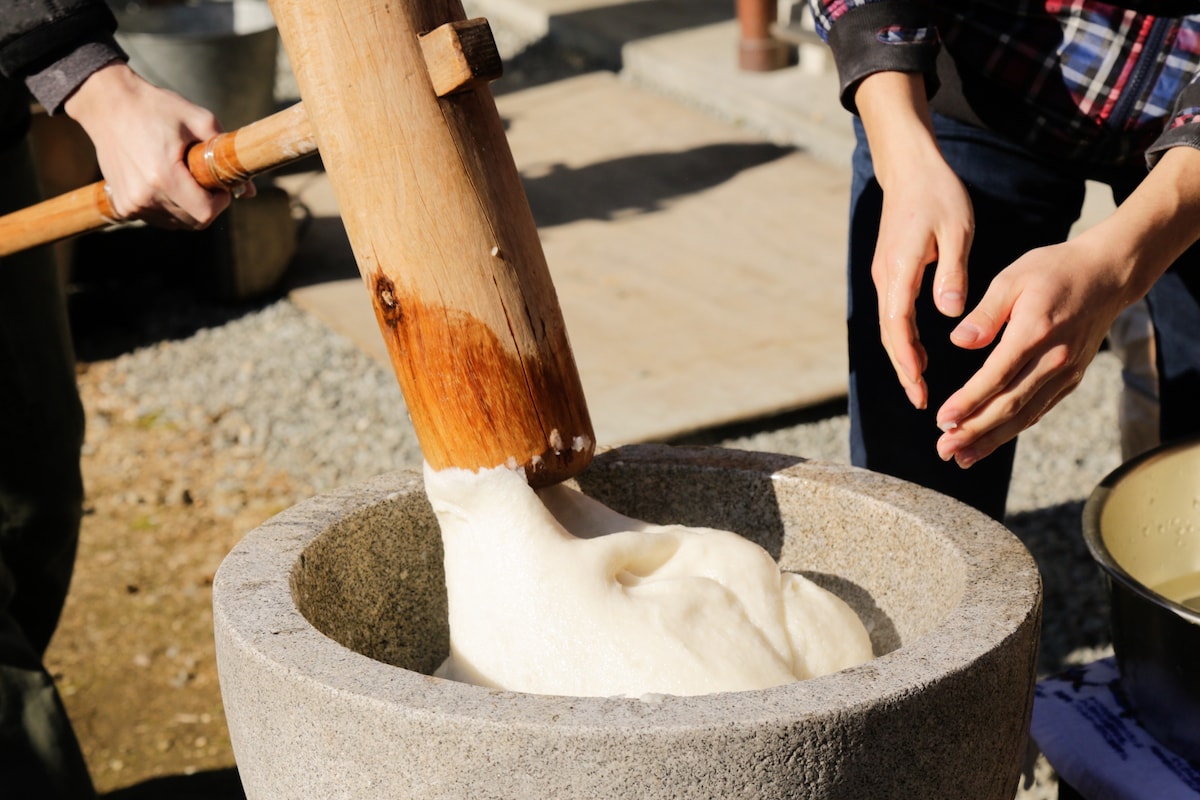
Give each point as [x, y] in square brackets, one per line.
[54, 45]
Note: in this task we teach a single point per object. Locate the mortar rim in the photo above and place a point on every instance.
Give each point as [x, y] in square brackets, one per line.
[946, 650]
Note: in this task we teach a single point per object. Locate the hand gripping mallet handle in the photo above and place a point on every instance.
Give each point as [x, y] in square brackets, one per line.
[222, 162]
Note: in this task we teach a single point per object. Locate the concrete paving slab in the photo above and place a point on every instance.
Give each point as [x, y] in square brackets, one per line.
[600, 27]
[796, 105]
[699, 267]
[688, 50]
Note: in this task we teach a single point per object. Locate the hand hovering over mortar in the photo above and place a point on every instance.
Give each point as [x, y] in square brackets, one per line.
[1052, 308]
[141, 133]
[927, 217]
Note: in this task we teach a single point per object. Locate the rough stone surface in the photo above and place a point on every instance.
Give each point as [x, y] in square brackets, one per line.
[953, 601]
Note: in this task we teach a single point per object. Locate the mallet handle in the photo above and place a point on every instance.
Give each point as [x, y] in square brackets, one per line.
[223, 161]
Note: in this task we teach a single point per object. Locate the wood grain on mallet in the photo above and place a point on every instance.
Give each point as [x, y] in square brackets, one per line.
[441, 230]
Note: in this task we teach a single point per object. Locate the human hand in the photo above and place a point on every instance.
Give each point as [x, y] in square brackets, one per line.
[141, 133]
[926, 218]
[1054, 305]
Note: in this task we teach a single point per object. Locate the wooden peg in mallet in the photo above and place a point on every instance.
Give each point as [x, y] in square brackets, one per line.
[441, 229]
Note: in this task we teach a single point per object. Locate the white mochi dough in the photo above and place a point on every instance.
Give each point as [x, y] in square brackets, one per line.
[552, 592]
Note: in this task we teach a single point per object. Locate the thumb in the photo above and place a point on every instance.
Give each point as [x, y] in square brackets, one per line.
[981, 327]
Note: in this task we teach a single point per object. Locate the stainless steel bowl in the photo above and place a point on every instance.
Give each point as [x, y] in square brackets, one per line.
[1142, 525]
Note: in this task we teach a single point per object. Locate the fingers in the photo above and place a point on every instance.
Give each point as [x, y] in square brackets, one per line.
[921, 223]
[1020, 381]
[175, 200]
[141, 134]
[189, 203]
[1037, 390]
[198, 122]
[1050, 311]
[979, 329]
[897, 289]
[178, 197]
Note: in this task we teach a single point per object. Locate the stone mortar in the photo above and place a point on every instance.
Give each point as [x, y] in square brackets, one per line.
[330, 617]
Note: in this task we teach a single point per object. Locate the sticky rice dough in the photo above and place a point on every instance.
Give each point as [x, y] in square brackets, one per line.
[552, 592]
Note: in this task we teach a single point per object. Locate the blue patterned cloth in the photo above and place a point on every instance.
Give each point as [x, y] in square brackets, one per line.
[1085, 725]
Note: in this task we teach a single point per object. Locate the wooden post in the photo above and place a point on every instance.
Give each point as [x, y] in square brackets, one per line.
[441, 230]
[758, 50]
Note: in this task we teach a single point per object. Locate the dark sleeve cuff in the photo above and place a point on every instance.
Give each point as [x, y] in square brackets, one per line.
[1183, 129]
[883, 37]
[53, 85]
[46, 42]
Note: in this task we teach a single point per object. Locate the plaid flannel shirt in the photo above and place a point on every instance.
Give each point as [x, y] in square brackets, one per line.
[1103, 83]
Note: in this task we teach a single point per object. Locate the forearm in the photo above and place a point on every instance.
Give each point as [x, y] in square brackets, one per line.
[1153, 227]
[107, 94]
[926, 219]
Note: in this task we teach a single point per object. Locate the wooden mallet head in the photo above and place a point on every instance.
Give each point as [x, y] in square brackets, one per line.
[441, 229]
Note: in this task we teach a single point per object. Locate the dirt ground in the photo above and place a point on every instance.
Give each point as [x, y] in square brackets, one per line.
[134, 653]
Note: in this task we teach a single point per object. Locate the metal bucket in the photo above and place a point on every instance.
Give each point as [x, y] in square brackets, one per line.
[220, 54]
[223, 55]
[1142, 525]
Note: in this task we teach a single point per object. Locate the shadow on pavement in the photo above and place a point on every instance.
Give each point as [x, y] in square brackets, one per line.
[559, 195]
[592, 38]
[638, 184]
[608, 28]
[221, 784]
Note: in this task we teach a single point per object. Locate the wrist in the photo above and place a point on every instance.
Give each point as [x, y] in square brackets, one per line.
[100, 93]
[895, 115]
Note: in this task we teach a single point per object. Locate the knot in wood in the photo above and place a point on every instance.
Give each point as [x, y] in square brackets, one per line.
[386, 302]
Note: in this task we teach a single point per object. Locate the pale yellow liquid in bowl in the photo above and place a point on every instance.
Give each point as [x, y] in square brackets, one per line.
[1184, 590]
